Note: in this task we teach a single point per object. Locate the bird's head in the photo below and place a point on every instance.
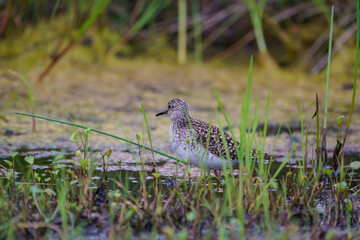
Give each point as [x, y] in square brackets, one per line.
[176, 109]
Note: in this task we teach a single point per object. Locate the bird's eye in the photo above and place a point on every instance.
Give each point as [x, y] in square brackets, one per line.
[169, 106]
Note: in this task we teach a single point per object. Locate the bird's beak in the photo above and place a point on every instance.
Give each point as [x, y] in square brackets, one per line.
[162, 113]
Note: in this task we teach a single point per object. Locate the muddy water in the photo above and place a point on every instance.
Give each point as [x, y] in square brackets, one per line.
[127, 171]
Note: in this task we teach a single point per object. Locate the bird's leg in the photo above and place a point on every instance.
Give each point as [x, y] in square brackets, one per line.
[217, 180]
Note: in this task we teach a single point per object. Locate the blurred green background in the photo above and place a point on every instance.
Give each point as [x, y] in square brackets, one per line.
[285, 33]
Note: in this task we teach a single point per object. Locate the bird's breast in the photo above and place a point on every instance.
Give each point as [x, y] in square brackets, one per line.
[180, 140]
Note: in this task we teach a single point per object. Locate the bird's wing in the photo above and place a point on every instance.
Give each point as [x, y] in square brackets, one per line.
[216, 143]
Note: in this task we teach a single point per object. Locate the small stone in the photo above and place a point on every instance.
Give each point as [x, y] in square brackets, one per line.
[87, 41]
[347, 86]
[9, 132]
[119, 54]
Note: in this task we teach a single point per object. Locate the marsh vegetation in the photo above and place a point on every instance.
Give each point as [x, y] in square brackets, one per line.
[85, 157]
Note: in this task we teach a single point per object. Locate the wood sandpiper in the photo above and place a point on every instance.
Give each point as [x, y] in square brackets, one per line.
[181, 137]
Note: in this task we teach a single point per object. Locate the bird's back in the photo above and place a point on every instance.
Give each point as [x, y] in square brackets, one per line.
[213, 141]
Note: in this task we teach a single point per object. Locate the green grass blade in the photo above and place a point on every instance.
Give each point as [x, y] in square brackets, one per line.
[103, 133]
[256, 12]
[356, 67]
[262, 145]
[245, 120]
[99, 7]
[149, 135]
[328, 68]
[182, 36]
[148, 14]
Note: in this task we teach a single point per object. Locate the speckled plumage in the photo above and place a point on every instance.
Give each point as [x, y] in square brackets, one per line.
[181, 138]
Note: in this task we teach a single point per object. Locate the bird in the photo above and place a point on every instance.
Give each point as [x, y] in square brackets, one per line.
[199, 142]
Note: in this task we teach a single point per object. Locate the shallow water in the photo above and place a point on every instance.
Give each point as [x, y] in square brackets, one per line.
[129, 171]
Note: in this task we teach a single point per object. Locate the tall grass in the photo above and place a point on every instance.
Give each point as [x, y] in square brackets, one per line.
[356, 68]
[149, 135]
[323, 144]
[256, 12]
[328, 69]
[182, 32]
[243, 186]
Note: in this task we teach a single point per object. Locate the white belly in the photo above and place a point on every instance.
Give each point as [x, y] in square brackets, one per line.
[198, 157]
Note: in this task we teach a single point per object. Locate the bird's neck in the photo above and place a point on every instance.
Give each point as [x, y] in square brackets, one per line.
[180, 121]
